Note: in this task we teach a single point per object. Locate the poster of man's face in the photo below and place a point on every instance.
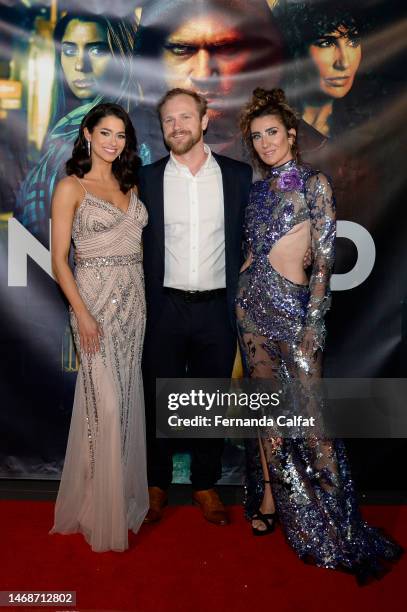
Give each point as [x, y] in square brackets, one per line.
[219, 49]
[215, 53]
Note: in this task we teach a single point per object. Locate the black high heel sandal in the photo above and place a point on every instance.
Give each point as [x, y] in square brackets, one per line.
[265, 519]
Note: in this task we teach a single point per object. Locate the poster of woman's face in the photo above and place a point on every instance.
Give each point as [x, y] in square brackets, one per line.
[84, 57]
[336, 56]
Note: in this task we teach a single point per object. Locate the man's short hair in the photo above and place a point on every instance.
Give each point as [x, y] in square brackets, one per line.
[200, 101]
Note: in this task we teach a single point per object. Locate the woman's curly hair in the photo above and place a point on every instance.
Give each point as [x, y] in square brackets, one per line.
[124, 169]
[267, 102]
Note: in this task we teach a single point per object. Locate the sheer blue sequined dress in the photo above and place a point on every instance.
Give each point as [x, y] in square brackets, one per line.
[310, 477]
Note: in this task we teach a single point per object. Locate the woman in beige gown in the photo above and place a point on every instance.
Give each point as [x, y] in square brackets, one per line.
[103, 491]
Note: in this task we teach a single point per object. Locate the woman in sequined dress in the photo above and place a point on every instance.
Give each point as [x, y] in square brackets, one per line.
[103, 491]
[305, 482]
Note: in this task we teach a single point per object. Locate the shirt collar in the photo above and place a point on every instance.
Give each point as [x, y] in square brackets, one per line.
[182, 168]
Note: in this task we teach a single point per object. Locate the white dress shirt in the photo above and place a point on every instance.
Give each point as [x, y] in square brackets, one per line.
[194, 224]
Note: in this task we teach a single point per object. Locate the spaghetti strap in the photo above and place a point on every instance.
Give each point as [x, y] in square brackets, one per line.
[80, 183]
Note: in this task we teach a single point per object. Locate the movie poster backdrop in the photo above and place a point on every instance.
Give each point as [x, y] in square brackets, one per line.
[340, 64]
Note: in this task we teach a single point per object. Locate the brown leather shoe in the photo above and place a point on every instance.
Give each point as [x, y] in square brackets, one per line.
[212, 508]
[158, 500]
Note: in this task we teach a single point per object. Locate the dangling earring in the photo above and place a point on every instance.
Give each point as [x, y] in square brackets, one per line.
[88, 142]
[119, 156]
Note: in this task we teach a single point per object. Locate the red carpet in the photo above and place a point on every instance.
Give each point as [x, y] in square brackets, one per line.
[184, 564]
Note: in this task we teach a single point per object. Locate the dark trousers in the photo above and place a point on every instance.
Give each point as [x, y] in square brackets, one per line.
[193, 339]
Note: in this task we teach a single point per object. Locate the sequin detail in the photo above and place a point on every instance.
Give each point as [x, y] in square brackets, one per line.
[103, 491]
[109, 285]
[272, 212]
[310, 477]
[112, 260]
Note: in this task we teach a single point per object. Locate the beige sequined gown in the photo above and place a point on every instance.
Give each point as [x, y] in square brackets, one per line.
[103, 490]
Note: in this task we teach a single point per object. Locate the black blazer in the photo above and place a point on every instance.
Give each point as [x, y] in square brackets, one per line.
[236, 178]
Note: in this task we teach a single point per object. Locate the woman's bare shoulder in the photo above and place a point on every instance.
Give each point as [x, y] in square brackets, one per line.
[69, 184]
[68, 191]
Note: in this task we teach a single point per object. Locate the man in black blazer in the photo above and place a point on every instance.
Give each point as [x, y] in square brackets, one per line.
[192, 256]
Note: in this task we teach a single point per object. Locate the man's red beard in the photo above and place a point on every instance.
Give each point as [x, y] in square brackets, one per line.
[179, 148]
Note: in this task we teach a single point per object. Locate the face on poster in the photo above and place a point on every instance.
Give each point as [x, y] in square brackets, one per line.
[214, 54]
[220, 50]
[84, 57]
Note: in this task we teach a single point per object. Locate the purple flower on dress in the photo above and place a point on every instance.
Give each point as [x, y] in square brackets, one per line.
[290, 180]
